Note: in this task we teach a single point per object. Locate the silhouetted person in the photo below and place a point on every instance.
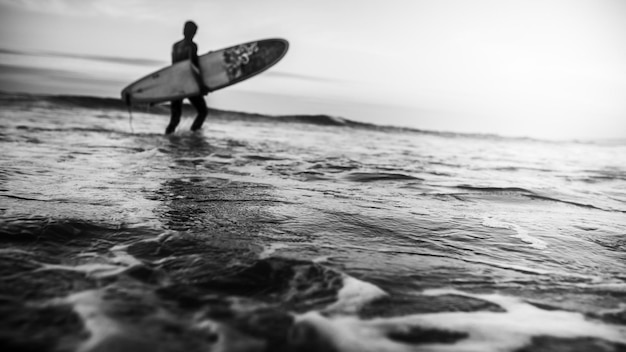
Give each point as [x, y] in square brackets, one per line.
[186, 49]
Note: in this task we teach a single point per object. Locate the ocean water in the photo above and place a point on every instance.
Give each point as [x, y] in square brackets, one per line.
[301, 233]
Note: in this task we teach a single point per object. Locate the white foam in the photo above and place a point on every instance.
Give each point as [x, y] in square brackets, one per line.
[271, 249]
[486, 331]
[354, 295]
[95, 270]
[228, 338]
[520, 233]
[120, 262]
[121, 256]
[341, 334]
[87, 305]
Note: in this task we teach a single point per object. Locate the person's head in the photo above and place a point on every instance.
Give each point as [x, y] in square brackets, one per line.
[190, 29]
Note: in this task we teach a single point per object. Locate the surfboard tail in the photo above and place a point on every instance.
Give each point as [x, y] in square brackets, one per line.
[127, 98]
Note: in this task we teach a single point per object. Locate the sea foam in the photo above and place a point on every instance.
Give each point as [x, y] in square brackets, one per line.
[520, 232]
[482, 331]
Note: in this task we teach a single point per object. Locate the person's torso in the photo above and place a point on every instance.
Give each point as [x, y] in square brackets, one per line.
[184, 50]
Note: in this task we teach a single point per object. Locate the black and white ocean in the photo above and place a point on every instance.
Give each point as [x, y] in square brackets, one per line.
[301, 233]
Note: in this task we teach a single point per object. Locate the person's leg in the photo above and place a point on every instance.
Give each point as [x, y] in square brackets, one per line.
[176, 108]
[200, 105]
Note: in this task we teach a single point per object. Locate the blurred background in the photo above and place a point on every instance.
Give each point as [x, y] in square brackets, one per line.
[545, 69]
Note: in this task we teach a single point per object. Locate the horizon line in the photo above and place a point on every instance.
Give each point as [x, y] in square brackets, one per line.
[601, 141]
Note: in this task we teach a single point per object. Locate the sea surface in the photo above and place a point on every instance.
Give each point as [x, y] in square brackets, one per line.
[301, 233]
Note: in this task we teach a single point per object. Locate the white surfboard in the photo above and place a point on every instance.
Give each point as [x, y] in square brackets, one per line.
[220, 69]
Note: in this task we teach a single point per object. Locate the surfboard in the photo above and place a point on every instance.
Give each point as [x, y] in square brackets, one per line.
[220, 69]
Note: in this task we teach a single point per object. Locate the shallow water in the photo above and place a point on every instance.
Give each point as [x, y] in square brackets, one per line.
[274, 234]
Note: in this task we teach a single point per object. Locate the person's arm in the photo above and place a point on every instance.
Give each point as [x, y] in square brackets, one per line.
[197, 70]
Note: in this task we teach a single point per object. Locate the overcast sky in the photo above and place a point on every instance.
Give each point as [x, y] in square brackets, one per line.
[540, 68]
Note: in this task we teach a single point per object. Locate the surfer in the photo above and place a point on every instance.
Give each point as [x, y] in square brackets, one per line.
[186, 49]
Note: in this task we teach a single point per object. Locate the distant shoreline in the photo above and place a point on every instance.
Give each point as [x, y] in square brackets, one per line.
[95, 102]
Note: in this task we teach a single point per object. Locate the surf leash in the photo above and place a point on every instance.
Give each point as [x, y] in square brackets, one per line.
[130, 119]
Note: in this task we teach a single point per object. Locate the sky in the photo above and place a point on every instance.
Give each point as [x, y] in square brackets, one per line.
[538, 68]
